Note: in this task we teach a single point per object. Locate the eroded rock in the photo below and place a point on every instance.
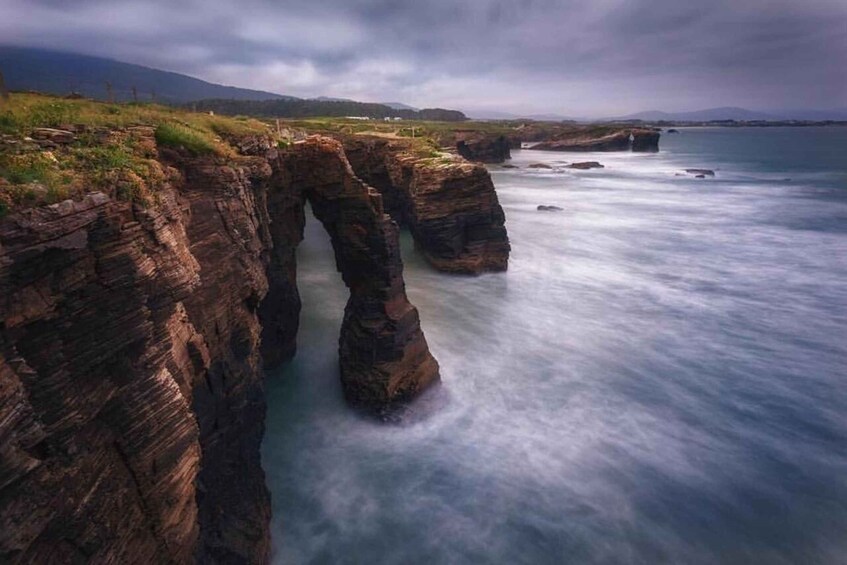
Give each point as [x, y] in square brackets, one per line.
[585, 165]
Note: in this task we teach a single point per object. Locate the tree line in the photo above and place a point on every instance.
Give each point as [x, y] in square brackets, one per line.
[299, 108]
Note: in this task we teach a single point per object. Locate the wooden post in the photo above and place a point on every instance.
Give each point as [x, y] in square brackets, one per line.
[4, 92]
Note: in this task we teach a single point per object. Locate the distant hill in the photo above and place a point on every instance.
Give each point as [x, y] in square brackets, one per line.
[297, 108]
[331, 99]
[496, 115]
[61, 73]
[710, 114]
[399, 106]
[738, 114]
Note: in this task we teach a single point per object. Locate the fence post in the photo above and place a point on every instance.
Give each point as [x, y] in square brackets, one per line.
[4, 92]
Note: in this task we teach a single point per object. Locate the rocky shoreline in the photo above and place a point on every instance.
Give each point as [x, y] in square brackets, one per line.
[134, 336]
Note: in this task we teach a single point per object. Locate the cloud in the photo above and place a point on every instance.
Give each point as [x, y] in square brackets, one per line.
[572, 57]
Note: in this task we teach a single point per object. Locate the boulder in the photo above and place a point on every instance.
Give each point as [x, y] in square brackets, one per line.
[57, 136]
[704, 172]
[539, 166]
[544, 208]
[584, 165]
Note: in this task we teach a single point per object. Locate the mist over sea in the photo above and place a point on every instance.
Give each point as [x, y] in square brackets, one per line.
[660, 377]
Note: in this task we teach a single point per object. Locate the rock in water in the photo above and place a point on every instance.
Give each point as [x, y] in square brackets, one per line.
[543, 208]
[539, 166]
[705, 172]
[476, 146]
[449, 205]
[585, 165]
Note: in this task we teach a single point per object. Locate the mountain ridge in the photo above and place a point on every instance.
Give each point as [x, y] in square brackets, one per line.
[56, 72]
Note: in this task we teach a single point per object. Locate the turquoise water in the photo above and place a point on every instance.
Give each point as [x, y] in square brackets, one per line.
[660, 377]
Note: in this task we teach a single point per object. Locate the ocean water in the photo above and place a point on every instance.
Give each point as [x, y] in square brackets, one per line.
[660, 377]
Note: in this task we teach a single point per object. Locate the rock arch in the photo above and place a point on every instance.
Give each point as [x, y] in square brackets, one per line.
[383, 353]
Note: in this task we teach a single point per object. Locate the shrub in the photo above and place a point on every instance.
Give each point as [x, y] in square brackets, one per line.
[183, 137]
[8, 123]
[53, 114]
[23, 170]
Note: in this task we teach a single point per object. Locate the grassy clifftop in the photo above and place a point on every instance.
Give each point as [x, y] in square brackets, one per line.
[52, 148]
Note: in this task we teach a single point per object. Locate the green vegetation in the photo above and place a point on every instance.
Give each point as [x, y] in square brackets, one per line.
[113, 147]
[183, 137]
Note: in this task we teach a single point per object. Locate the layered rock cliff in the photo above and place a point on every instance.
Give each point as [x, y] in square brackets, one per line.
[131, 401]
[449, 205]
[601, 139]
[481, 148]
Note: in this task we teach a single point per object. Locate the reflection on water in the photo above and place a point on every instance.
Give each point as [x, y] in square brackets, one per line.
[659, 377]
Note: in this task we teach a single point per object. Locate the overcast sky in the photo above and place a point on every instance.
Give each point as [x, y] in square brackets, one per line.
[585, 58]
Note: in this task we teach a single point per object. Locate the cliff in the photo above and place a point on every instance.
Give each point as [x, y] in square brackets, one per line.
[133, 335]
[601, 139]
[449, 205]
[475, 146]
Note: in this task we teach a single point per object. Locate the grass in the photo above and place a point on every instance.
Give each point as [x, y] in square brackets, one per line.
[111, 155]
[183, 137]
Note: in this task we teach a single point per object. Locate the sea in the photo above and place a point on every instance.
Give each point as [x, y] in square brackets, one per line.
[660, 376]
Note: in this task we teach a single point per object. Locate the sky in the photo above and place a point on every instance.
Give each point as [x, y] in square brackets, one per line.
[585, 58]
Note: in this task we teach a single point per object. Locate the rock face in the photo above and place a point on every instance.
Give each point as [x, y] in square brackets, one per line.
[131, 396]
[383, 352]
[483, 149]
[624, 139]
[616, 141]
[449, 205]
[645, 140]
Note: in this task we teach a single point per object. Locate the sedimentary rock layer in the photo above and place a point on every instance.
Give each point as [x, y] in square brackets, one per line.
[625, 139]
[383, 352]
[131, 401]
[482, 148]
[449, 204]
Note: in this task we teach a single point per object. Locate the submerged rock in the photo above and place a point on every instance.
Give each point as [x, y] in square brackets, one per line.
[672, 130]
[509, 167]
[544, 208]
[584, 165]
[705, 172]
[700, 177]
[539, 166]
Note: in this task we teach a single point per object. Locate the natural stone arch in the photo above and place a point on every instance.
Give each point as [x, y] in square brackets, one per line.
[383, 354]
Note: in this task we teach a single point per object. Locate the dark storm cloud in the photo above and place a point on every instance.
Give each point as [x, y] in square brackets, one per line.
[573, 57]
